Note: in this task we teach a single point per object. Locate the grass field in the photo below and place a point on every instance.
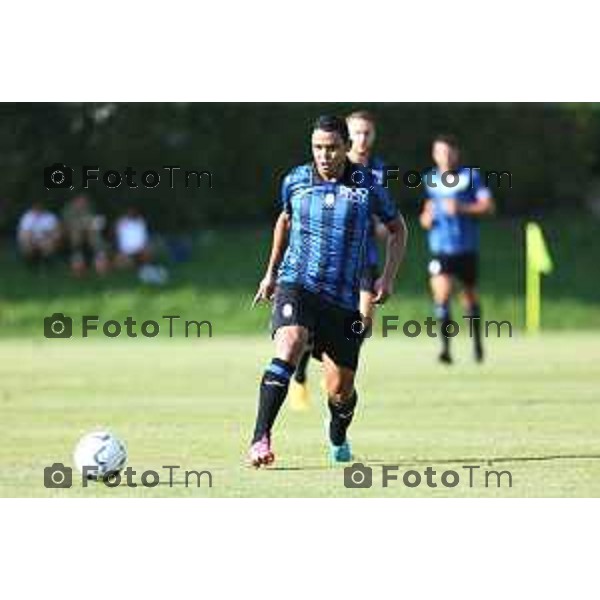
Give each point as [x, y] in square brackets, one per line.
[532, 409]
[220, 279]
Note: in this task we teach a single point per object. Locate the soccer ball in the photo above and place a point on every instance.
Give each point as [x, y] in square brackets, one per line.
[101, 453]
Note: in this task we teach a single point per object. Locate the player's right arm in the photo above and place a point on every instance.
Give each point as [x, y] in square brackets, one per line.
[266, 287]
[426, 216]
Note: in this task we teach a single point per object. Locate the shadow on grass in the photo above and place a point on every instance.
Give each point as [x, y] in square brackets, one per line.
[481, 460]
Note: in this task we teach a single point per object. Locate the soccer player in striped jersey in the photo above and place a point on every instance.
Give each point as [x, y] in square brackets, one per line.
[327, 208]
[362, 130]
[450, 215]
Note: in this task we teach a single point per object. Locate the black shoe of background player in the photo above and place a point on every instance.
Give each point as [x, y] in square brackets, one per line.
[300, 377]
[445, 358]
[479, 354]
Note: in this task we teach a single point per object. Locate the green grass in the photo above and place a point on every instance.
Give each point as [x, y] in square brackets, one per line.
[218, 284]
[531, 409]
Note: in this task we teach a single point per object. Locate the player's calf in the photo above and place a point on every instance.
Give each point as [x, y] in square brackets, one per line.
[273, 390]
[300, 374]
[342, 413]
[274, 387]
[442, 313]
[341, 399]
[474, 316]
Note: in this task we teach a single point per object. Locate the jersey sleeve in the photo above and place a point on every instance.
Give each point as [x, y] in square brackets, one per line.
[480, 191]
[24, 223]
[426, 178]
[285, 194]
[52, 221]
[383, 206]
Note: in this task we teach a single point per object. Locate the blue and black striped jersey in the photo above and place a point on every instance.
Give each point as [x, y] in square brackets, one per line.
[377, 167]
[329, 229]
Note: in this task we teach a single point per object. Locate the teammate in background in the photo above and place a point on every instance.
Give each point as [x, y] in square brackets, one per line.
[327, 210]
[83, 228]
[38, 234]
[361, 127]
[450, 214]
[133, 239]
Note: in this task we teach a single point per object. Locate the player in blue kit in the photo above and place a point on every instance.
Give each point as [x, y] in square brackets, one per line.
[361, 127]
[455, 200]
[327, 207]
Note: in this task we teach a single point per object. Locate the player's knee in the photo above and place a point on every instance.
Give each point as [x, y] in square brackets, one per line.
[340, 387]
[470, 299]
[291, 342]
[442, 311]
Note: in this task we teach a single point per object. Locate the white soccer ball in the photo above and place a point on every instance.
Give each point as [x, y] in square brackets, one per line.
[99, 453]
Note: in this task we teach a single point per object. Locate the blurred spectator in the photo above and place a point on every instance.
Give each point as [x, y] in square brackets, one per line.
[133, 239]
[38, 234]
[83, 228]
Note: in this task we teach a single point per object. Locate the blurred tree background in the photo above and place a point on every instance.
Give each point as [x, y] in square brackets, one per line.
[552, 151]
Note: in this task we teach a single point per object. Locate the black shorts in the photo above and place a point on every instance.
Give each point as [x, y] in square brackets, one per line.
[330, 326]
[368, 278]
[465, 267]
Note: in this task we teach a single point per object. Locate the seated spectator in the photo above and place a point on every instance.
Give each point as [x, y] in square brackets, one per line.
[133, 239]
[83, 229]
[38, 234]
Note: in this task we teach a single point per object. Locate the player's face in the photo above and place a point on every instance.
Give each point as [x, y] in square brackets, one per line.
[329, 153]
[362, 135]
[81, 202]
[444, 156]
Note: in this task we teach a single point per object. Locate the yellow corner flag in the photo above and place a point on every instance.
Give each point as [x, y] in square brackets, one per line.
[538, 261]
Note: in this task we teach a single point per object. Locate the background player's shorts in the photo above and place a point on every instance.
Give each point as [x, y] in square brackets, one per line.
[368, 278]
[329, 324]
[465, 267]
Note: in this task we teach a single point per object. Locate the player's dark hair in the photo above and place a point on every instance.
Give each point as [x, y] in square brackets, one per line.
[333, 124]
[447, 138]
[364, 115]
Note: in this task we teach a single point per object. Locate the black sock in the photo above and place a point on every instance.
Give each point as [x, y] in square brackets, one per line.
[442, 311]
[341, 417]
[445, 337]
[475, 320]
[273, 390]
[300, 374]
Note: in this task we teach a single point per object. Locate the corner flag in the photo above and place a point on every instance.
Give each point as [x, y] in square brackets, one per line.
[538, 261]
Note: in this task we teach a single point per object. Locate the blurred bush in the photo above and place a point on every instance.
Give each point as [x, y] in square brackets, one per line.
[552, 151]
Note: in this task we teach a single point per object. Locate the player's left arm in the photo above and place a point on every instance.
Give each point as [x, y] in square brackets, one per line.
[394, 256]
[381, 231]
[396, 235]
[484, 205]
